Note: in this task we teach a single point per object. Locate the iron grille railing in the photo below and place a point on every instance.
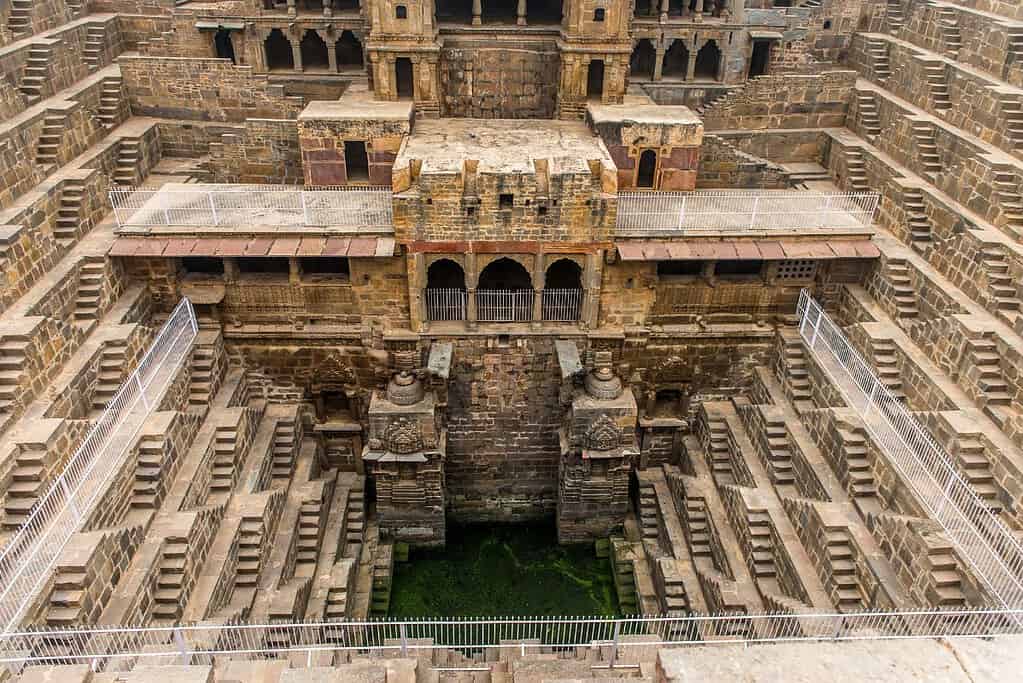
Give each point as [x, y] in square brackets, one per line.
[445, 304]
[987, 545]
[112, 649]
[673, 213]
[562, 305]
[26, 560]
[504, 306]
[342, 208]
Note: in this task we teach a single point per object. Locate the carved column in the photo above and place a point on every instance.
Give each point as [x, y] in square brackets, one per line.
[328, 8]
[664, 10]
[521, 13]
[332, 53]
[477, 12]
[291, 8]
[691, 66]
[471, 280]
[296, 53]
[658, 62]
[539, 282]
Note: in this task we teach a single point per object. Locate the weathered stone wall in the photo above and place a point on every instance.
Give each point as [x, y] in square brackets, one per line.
[725, 166]
[499, 79]
[784, 101]
[202, 89]
[322, 132]
[263, 151]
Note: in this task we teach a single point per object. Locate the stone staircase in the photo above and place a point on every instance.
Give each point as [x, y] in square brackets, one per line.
[779, 453]
[167, 600]
[648, 511]
[26, 486]
[718, 450]
[976, 470]
[947, 584]
[19, 21]
[937, 84]
[1001, 284]
[793, 363]
[860, 478]
[886, 363]
[309, 519]
[337, 603]
[676, 601]
[69, 214]
[877, 52]
[761, 546]
[355, 521]
[222, 473]
[1012, 111]
[95, 37]
[36, 72]
[903, 294]
[201, 385]
[927, 148]
[12, 362]
[109, 102]
[126, 172]
[896, 19]
[65, 604]
[149, 466]
[869, 118]
[90, 286]
[250, 552]
[108, 380]
[383, 570]
[283, 451]
[48, 147]
[917, 223]
[1008, 199]
[76, 7]
[948, 24]
[986, 371]
[857, 171]
[842, 562]
[698, 527]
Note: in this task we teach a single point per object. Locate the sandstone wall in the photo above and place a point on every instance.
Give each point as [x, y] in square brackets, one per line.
[784, 101]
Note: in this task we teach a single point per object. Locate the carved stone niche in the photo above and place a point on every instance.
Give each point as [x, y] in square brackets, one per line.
[599, 449]
[404, 458]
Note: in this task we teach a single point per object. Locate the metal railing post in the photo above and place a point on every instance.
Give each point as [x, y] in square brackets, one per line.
[614, 645]
[213, 208]
[179, 640]
[404, 639]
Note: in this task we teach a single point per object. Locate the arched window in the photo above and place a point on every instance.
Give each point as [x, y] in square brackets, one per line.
[643, 59]
[707, 61]
[445, 291]
[401, 12]
[647, 170]
[595, 79]
[505, 274]
[676, 61]
[599, 14]
[505, 293]
[314, 51]
[403, 78]
[278, 51]
[563, 291]
[349, 51]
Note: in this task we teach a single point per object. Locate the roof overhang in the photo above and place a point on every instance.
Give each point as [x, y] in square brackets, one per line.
[350, 247]
[765, 35]
[750, 250]
[217, 25]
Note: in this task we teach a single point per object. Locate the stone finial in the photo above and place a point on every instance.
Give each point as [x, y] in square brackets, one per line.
[602, 382]
[405, 389]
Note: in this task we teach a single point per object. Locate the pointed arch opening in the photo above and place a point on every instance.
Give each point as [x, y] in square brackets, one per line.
[643, 60]
[278, 52]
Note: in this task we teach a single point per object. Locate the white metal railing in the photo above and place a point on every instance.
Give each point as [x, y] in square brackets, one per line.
[668, 213]
[118, 648]
[990, 548]
[26, 561]
[504, 306]
[351, 208]
[562, 305]
[445, 304]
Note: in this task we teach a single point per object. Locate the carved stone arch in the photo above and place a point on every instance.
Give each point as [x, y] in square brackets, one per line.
[524, 260]
[603, 434]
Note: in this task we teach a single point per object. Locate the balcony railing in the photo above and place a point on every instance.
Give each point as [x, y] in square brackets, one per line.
[445, 304]
[562, 305]
[26, 561]
[504, 306]
[991, 550]
[355, 209]
[677, 213]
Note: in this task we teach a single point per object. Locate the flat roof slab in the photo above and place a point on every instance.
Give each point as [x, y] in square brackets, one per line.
[357, 105]
[503, 146]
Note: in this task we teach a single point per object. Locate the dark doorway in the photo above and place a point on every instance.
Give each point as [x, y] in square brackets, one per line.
[543, 11]
[445, 274]
[314, 51]
[505, 274]
[643, 59]
[356, 161]
[760, 57]
[346, 5]
[336, 406]
[310, 5]
[676, 61]
[676, 8]
[278, 51]
[454, 11]
[595, 79]
[644, 8]
[403, 78]
[564, 274]
[223, 45]
[647, 168]
[707, 61]
[500, 11]
[349, 51]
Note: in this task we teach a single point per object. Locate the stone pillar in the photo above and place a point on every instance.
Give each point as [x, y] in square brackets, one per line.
[591, 289]
[296, 53]
[691, 66]
[471, 280]
[477, 12]
[699, 10]
[539, 282]
[332, 54]
[521, 13]
[417, 301]
[659, 62]
[291, 8]
[328, 8]
[664, 10]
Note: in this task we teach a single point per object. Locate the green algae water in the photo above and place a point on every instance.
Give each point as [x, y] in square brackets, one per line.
[503, 570]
